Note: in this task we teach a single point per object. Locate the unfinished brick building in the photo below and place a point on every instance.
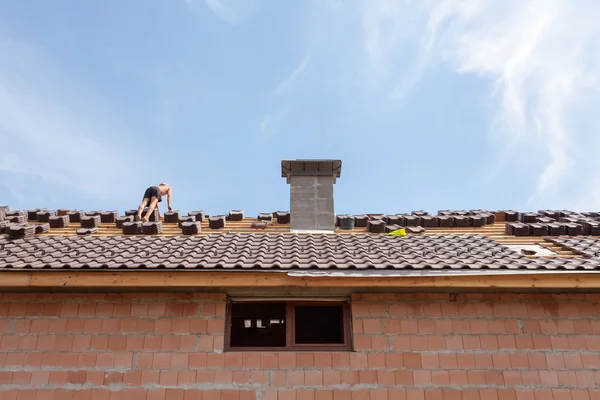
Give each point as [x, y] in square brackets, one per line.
[300, 309]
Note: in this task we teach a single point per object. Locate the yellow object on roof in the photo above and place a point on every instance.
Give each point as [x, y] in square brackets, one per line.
[398, 232]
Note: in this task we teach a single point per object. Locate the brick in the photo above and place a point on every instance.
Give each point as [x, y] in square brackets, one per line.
[286, 394]
[404, 378]
[361, 394]
[350, 377]
[295, 378]
[259, 377]
[358, 361]
[339, 360]
[332, 378]
[305, 360]
[322, 360]
[367, 377]
[376, 360]
[324, 394]
[440, 378]
[386, 378]
[251, 360]
[378, 394]
[230, 395]
[241, 377]
[223, 376]
[305, 394]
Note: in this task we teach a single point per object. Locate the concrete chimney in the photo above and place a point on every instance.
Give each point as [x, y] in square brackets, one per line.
[311, 193]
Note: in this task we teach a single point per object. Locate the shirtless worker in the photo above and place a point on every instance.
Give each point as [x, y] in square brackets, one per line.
[153, 195]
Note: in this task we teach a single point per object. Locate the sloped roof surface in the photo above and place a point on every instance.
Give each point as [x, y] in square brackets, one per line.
[274, 251]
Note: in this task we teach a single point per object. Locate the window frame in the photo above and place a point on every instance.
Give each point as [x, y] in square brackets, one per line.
[290, 326]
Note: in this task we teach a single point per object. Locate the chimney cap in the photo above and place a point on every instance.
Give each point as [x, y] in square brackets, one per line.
[311, 167]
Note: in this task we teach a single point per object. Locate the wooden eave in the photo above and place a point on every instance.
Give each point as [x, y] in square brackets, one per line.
[248, 280]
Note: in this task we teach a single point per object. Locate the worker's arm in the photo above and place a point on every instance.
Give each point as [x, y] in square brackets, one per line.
[158, 209]
[169, 196]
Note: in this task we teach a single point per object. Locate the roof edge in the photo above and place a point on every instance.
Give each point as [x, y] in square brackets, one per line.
[11, 280]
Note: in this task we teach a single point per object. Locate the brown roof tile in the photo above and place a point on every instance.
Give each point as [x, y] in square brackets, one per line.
[275, 251]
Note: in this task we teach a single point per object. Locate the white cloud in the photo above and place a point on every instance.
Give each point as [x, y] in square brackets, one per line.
[290, 81]
[540, 57]
[52, 134]
[268, 127]
[231, 11]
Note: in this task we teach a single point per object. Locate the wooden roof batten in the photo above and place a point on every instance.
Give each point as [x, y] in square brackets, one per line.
[192, 280]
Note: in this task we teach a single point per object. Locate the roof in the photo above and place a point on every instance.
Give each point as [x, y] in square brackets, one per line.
[238, 246]
[278, 251]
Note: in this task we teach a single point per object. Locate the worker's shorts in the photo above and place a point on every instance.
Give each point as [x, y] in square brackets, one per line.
[152, 191]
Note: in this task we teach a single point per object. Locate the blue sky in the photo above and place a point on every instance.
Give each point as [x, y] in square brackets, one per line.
[429, 104]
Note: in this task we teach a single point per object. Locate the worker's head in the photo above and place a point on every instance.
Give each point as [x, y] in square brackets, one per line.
[163, 184]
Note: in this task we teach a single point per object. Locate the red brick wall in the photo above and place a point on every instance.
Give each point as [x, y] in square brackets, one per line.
[417, 346]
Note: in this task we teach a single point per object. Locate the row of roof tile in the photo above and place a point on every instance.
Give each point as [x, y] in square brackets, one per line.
[278, 251]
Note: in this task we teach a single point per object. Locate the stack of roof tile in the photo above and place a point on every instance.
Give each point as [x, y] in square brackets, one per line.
[186, 218]
[412, 220]
[20, 231]
[591, 228]
[490, 218]
[461, 221]
[346, 222]
[574, 229]
[132, 213]
[216, 222]
[3, 211]
[190, 228]
[86, 231]
[555, 215]
[420, 213]
[258, 225]
[199, 215]
[265, 217]
[92, 213]
[89, 221]
[446, 221]
[360, 221]
[15, 212]
[477, 220]
[42, 228]
[392, 228]
[62, 211]
[397, 219]
[546, 220]
[171, 217]
[132, 228]
[529, 217]
[15, 218]
[152, 228]
[121, 220]
[376, 226]
[539, 229]
[32, 214]
[511, 216]
[415, 229]
[3, 226]
[75, 216]
[109, 216]
[44, 215]
[283, 217]
[429, 221]
[236, 215]
[59, 221]
[557, 229]
[153, 217]
[518, 229]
